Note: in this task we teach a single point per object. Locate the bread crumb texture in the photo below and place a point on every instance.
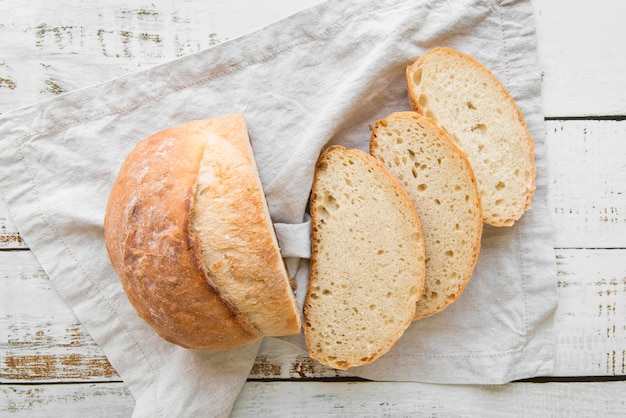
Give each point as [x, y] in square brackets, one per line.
[441, 185]
[471, 104]
[367, 264]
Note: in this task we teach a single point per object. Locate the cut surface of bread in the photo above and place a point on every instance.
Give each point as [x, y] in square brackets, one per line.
[440, 183]
[189, 234]
[237, 240]
[471, 104]
[367, 263]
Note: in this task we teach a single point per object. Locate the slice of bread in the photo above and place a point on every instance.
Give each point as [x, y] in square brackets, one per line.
[440, 182]
[367, 262]
[469, 102]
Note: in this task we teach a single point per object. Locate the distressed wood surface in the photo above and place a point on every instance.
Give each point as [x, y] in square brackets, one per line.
[420, 400]
[51, 53]
[581, 52]
[49, 365]
[587, 169]
[102, 400]
[45, 342]
[10, 237]
[276, 399]
[280, 399]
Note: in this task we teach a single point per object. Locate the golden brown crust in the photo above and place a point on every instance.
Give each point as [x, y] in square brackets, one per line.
[246, 267]
[151, 244]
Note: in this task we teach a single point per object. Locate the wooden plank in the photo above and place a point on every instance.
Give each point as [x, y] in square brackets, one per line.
[46, 343]
[278, 399]
[42, 339]
[590, 322]
[281, 399]
[278, 360]
[96, 400]
[583, 74]
[10, 238]
[587, 168]
[50, 53]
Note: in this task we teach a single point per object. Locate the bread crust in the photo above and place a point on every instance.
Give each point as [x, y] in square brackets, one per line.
[508, 103]
[157, 256]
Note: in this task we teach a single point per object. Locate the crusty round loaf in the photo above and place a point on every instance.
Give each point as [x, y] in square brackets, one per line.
[367, 261]
[440, 182]
[188, 231]
[471, 104]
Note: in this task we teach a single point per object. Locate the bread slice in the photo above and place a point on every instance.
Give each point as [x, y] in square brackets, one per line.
[367, 262]
[469, 102]
[440, 183]
[189, 234]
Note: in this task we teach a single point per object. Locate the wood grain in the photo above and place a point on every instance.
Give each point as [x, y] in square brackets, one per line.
[43, 339]
[586, 172]
[90, 42]
[105, 400]
[578, 44]
[586, 178]
[51, 53]
[590, 322]
[421, 400]
[281, 399]
[45, 342]
[10, 238]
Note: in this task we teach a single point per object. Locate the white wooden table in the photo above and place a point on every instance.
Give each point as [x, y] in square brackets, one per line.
[49, 366]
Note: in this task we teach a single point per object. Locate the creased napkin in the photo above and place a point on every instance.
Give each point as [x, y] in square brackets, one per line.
[320, 77]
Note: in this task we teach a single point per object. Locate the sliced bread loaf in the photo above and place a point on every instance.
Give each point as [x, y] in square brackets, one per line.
[471, 104]
[440, 182]
[367, 262]
[188, 231]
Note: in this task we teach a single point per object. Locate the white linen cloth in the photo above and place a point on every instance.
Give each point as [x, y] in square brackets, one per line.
[320, 77]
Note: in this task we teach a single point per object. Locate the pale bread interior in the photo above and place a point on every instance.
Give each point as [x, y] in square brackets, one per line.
[367, 268]
[440, 182]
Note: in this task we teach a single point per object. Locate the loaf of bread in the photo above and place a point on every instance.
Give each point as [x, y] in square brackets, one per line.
[367, 262]
[440, 182]
[188, 231]
[469, 102]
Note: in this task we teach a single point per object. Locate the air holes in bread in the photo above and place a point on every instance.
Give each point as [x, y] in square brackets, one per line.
[466, 100]
[445, 197]
[364, 268]
[417, 76]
